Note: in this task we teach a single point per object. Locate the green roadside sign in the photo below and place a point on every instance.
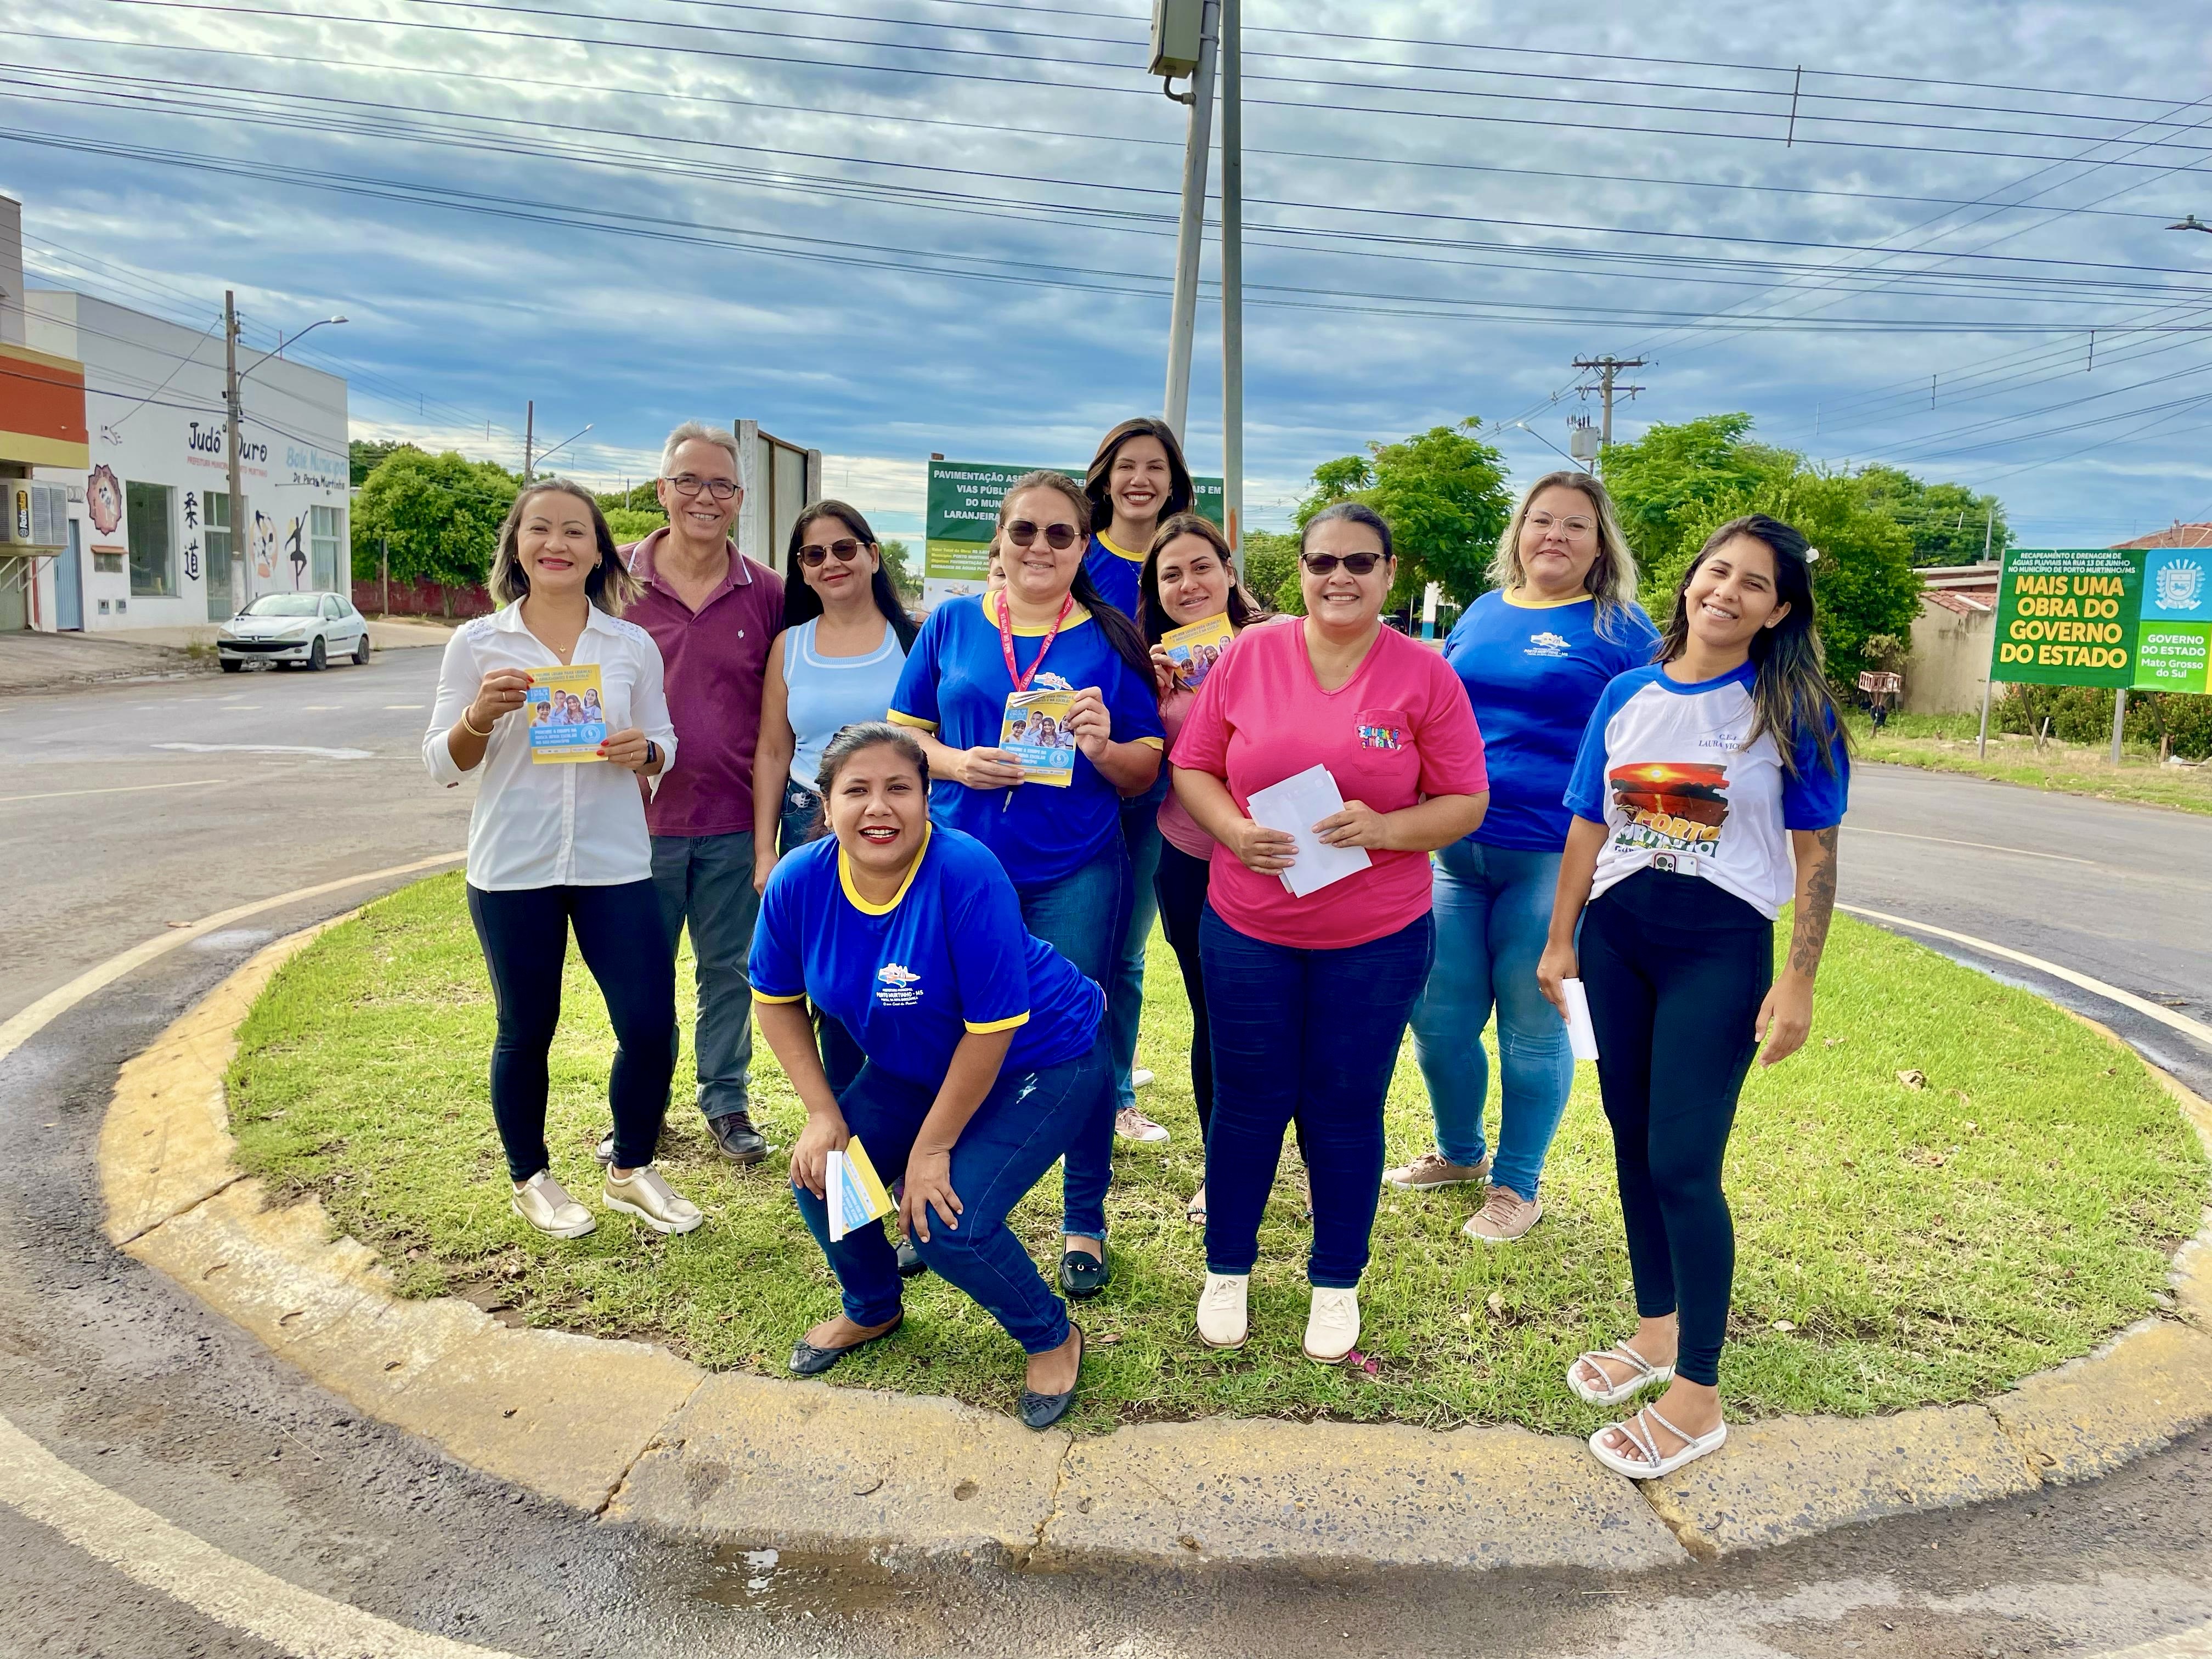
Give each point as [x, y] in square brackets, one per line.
[962, 511]
[2134, 617]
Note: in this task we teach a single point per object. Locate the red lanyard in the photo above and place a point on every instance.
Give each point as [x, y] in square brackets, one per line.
[1006, 641]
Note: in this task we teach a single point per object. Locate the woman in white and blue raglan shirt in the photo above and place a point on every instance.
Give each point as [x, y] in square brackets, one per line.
[984, 1059]
[1559, 621]
[1707, 795]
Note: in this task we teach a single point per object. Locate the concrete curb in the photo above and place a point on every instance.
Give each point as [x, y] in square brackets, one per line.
[629, 1431]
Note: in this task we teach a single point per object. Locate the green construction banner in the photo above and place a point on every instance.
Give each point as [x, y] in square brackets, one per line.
[962, 511]
[2137, 617]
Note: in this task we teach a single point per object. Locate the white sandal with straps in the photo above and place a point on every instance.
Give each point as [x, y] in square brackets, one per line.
[1643, 1375]
[1649, 1465]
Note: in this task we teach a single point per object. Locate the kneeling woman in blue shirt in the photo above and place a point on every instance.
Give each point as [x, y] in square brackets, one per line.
[982, 1044]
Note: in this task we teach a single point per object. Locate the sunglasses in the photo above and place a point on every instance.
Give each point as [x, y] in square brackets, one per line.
[843, 551]
[1324, 564]
[1058, 536]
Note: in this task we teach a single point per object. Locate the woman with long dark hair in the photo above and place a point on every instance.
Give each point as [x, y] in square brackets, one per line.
[1136, 482]
[1046, 632]
[1189, 576]
[1707, 795]
[553, 848]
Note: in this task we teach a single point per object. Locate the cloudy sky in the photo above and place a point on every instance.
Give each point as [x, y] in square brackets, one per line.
[887, 227]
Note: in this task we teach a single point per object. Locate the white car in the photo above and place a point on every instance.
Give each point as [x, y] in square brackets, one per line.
[305, 627]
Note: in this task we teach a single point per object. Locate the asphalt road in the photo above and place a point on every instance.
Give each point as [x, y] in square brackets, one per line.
[128, 1383]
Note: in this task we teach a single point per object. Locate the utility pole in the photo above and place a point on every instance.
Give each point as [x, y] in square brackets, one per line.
[1232, 280]
[529, 437]
[1190, 233]
[1606, 368]
[233, 415]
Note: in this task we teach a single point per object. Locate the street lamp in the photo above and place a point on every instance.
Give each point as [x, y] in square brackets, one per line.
[531, 471]
[1523, 426]
[236, 414]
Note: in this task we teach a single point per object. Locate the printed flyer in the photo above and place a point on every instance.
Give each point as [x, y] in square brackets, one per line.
[855, 1195]
[567, 715]
[1037, 735]
[1196, 648]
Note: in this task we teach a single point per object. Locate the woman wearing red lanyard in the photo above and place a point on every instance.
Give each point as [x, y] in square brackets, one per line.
[1307, 996]
[1046, 632]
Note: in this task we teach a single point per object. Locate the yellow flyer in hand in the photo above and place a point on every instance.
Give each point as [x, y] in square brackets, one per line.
[567, 708]
[854, 1194]
[1036, 733]
[1196, 648]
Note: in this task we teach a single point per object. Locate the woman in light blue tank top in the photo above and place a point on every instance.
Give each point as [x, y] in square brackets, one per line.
[845, 639]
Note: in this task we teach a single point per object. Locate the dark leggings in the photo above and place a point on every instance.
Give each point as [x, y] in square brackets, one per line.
[525, 935]
[1179, 884]
[1675, 969]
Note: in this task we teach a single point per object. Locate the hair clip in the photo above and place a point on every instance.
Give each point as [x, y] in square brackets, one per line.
[1812, 556]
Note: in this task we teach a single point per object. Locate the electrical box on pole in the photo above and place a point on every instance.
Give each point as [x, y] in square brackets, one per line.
[1176, 31]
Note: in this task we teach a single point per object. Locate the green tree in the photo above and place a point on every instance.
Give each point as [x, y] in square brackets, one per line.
[905, 582]
[628, 524]
[1669, 479]
[1271, 570]
[364, 453]
[1949, 523]
[638, 498]
[439, 514]
[1443, 492]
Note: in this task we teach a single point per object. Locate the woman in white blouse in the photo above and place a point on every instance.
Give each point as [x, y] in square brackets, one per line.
[554, 844]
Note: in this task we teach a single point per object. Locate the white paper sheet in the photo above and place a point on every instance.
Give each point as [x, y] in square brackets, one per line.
[1582, 1036]
[1295, 806]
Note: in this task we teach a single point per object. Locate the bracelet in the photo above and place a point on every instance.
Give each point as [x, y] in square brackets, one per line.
[470, 725]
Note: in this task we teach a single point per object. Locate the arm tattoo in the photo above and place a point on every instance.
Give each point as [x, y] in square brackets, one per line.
[1816, 906]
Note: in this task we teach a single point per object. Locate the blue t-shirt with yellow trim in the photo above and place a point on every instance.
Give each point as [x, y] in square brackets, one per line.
[1117, 571]
[1534, 672]
[947, 956]
[956, 685]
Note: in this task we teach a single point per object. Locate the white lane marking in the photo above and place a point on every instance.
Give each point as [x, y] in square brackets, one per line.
[116, 789]
[19, 1028]
[2183, 1644]
[1984, 846]
[406, 705]
[318, 707]
[141, 1545]
[2149, 1010]
[269, 748]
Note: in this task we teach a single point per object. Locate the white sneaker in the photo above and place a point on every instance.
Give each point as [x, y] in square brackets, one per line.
[652, 1201]
[1332, 1326]
[1131, 1124]
[544, 1203]
[1139, 1078]
[1222, 1322]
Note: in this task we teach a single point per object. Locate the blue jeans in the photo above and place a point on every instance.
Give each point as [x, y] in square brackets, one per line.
[1027, 1120]
[1125, 993]
[1081, 916]
[1311, 1036]
[1493, 909]
[706, 883]
[801, 821]
[525, 935]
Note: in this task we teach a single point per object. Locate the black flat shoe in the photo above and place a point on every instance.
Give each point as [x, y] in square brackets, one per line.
[910, 1264]
[1082, 1275]
[1041, 1410]
[807, 1360]
[737, 1140]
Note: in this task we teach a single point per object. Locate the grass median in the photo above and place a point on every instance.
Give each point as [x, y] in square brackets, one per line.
[1950, 743]
[1901, 1241]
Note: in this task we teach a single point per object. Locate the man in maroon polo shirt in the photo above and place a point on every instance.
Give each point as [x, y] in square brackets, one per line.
[713, 613]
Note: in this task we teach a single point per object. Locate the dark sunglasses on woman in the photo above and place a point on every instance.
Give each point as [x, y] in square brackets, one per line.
[1058, 536]
[844, 551]
[1322, 564]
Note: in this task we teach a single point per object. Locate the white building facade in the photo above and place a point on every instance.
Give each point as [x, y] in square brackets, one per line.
[151, 542]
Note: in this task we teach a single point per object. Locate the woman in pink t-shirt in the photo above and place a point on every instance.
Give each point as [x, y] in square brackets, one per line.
[1308, 997]
[1189, 576]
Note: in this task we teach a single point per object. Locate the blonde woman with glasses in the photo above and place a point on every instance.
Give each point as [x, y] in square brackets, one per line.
[1533, 653]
